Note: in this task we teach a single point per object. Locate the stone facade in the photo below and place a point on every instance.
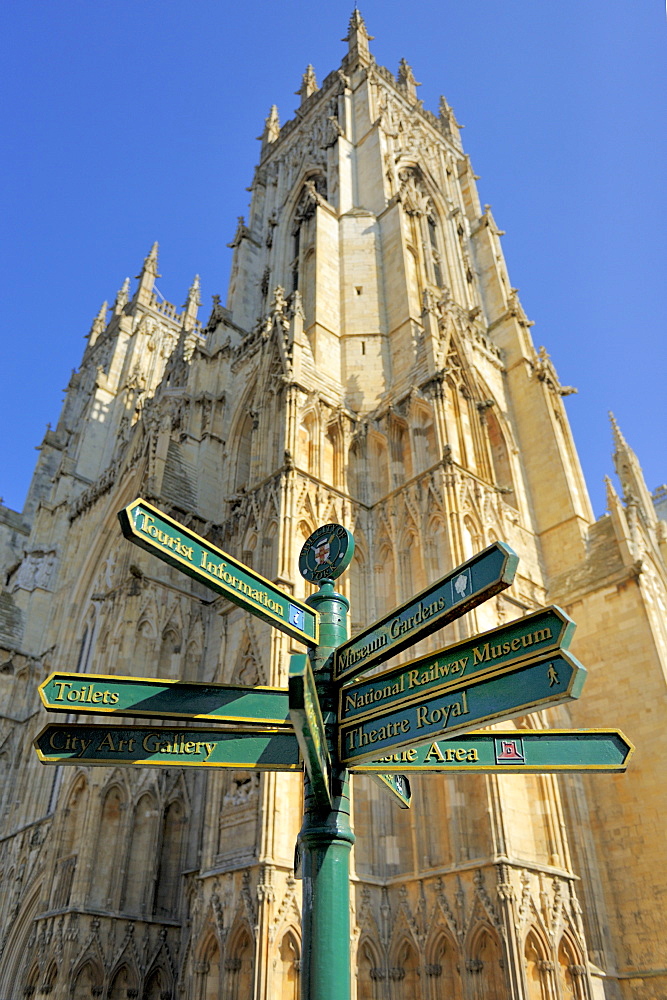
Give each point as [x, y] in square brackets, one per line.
[373, 366]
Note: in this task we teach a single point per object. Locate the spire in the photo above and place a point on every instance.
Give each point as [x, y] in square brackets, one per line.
[192, 303]
[99, 324]
[406, 80]
[448, 122]
[122, 297]
[147, 277]
[630, 473]
[308, 84]
[357, 38]
[271, 128]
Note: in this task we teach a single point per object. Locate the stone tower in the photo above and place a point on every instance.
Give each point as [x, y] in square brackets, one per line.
[373, 366]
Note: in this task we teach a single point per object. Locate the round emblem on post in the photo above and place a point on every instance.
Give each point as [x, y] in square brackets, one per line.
[327, 553]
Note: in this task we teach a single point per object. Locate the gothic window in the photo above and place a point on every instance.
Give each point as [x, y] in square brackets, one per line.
[210, 970]
[170, 648]
[88, 979]
[105, 867]
[423, 437]
[156, 985]
[410, 566]
[123, 985]
[244, 454]
[404, 976]
[357, 480]
[502, 470]
[401, 454]
[72, 828]
[87, 643]
[385, 575]
[369, 973]
[289, 962]
[436, 265]
[359, 585]
[270, 551]
[436, 549]
[443, 978]
[238, 968]
[139, 867]
[536, 968]
[303, 233]
[170, 861]
[571, 972]
[486, 969]
[378, 460]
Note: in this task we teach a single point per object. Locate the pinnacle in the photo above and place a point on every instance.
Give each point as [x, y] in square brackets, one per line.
[619, 440]
[357, 25]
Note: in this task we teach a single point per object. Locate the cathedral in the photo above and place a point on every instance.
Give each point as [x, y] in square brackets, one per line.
[372, 366]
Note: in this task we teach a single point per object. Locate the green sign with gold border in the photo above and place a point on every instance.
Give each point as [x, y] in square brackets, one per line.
[175, 544]
[162, 747]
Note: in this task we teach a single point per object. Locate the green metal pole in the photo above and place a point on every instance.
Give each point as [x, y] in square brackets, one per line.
[326, 837]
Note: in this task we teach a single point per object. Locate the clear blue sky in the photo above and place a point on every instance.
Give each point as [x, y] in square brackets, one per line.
[130, 121]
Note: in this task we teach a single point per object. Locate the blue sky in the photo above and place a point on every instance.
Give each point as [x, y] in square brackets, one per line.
[132, 121]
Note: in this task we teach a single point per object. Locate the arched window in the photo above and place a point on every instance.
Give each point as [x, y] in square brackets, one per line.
[170, 863]
[157, 985]
[244, 453]
[88, 979]
[169, 658]
[404, 972]
[140, 857]
[72, 828]
[105, 869]
[536, 968]
[288, 967]
[443, 976]
[239, 968]
[486, 969]
[210, 970]
[502, 469]
[571, 972]
[369, 973]
[123, 985]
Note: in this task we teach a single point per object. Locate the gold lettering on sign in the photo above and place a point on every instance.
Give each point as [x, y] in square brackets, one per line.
[481, 654]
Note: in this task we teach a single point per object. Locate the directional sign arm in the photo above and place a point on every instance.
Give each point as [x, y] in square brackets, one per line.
[512, 751]
[306, 716]
[147, 697]
[464, 588]
[146, 526]
[161, 747]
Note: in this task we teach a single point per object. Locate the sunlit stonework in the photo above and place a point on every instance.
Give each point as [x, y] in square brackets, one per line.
[373, 367]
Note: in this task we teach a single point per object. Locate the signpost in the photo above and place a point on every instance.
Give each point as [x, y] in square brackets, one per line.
[464, 588]
[304, 710]
[146, 697]
[146, 526]
[521, 689]
[178, 747]
[513, 751]
[415, 717]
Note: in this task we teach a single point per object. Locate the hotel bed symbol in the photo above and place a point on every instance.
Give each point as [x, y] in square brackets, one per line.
[510, 751]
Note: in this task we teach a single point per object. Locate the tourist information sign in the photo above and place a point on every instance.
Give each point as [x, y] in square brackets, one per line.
[175, 544]
[464, 588]
[306, 716]
[485, 654]
[522, 688]
[146, 697]
[178, 747]
[514, 752]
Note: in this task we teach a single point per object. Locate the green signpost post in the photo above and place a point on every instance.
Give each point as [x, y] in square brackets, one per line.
[412, 718]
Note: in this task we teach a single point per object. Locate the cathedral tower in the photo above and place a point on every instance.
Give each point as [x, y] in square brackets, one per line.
[372, 366]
